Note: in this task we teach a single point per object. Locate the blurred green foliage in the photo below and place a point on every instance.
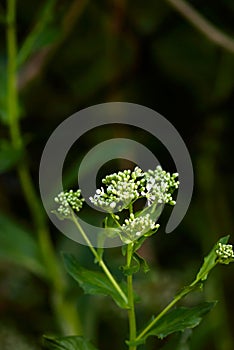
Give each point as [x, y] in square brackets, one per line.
[74, 54]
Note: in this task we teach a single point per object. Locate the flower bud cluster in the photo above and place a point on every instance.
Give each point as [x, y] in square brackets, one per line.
[225, 253]
[159, 186]
[68, 201]
[122, 188]
[135, 227]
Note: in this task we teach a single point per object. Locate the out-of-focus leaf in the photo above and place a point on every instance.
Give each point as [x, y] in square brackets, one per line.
[8, 156]
[43, 33]
[67, 343]
[137, 263]
[178, 320]
[134, 268]
[210, 260]
[143, 263]
[10, 337]
[92, 282]
[18, 246]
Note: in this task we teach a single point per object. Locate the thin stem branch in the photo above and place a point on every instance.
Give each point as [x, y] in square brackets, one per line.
[178, 297]
[131, 311]
[100, 260]
[164, 311]
[213, 33]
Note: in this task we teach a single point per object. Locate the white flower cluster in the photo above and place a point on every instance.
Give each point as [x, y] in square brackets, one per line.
[135, 227]
[159, 186]
[67, 201]
[121, 189]
[225, 253]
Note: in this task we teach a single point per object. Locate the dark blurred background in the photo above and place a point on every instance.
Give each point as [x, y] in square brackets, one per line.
[81, 53]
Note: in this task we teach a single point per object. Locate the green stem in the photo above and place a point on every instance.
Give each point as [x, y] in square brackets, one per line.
[151, 324]
[179, 296]
[100, 260]
[55, 276]
[131, 208]
[131, 310]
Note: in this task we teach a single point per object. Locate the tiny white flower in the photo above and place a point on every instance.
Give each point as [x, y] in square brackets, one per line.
[159, 186]
[67, 201]
[121, 189]
[225, 253]
[135, 227]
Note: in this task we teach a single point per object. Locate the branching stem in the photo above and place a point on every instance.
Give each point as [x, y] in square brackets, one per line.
[178, 297]
[100, 260]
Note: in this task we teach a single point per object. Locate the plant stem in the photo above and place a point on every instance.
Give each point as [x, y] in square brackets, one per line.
[179, 296]
[100, 260]
[151, 324]
[55, 276]
[130, 208]
[131, 310]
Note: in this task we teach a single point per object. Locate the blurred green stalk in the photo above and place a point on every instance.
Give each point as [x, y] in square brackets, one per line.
[66, 313]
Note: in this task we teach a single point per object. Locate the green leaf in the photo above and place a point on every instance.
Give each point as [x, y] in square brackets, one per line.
[178, 320]
[181, 318]
[130, 270]
[137, 263]
[8, 156]
[139, 242]
[92, 282]
[17, 245]
[67, 343]
[210, 260]
[143, 263]
[124, 249]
